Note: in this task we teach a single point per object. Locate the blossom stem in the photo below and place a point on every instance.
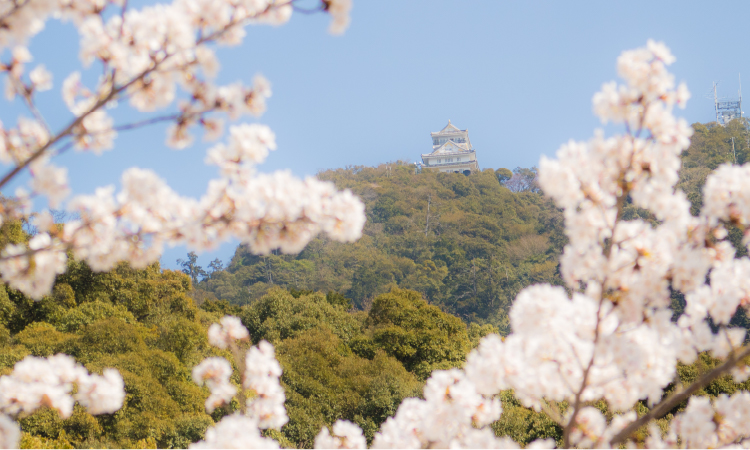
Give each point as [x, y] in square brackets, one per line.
[578, 403]
[241, 397]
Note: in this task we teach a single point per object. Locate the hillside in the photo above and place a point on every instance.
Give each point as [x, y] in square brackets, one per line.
[468, 244]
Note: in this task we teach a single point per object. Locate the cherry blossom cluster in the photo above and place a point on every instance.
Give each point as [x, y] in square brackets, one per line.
[339, 10]
[215, 373]
[344, 435]
[235, 431]
[37, 382]
[611, 336]
[261, 379]
[445, 418]
[153, 57]
[227, 332]
[266, 211]
[10, 432]
[260, 395]
[614, 339]
[725, 423]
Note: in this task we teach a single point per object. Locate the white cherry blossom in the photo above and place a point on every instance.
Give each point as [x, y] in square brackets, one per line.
[224, 334]
[345, 435]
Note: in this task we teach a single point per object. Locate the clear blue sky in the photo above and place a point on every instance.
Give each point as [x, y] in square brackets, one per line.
[518, 75]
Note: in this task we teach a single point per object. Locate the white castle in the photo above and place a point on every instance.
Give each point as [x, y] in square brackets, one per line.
[451, 152]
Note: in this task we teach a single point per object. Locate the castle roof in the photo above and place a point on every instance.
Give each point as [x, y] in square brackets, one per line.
[450, 147]
[449, 129]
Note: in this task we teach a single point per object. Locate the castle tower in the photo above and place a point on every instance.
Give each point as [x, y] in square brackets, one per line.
[451, 152]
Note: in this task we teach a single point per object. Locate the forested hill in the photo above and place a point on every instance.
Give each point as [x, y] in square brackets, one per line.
[467, 243]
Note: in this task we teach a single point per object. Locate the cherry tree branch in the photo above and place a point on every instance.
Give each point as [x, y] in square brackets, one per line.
[675, 399]
[67, 130]
[584, 383]
[117, 90]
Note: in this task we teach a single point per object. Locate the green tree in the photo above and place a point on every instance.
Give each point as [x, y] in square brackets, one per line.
[503, 175]
[191, 268]
[420, 335]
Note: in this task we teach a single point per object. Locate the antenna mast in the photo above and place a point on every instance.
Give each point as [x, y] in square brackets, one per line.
[716, 104]
[727, 109]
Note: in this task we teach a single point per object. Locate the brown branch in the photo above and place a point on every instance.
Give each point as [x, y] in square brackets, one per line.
[241, 366]
[578, 403]
[151, 121]
[553, 413]
[667, 405]
[16, 7]
[72, 125]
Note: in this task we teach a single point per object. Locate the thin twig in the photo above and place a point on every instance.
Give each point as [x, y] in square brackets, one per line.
[307, 11]
[26, 94]
[151, 121]
[241, 396]
[553, 414]
[578, 403]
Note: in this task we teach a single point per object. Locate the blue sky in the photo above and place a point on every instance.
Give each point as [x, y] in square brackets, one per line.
[518, 75]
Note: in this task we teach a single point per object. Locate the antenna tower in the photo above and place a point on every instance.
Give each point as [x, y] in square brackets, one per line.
[727, 109]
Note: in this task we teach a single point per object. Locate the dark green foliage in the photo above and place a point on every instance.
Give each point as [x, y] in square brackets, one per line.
[354, 365]
[503, 175]
[221, 307]
[419, 335]
[524, 425]
[140, 322]
[324, 381]
[279, 315]
[336, 299]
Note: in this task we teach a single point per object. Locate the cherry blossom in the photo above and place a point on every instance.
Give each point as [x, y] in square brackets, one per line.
[157, 57]
[215, 372]
[261, 377]
[10, 433]
[345, 435]
[37, 382]
[260, 389]
[224, 334]
[235, 431]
